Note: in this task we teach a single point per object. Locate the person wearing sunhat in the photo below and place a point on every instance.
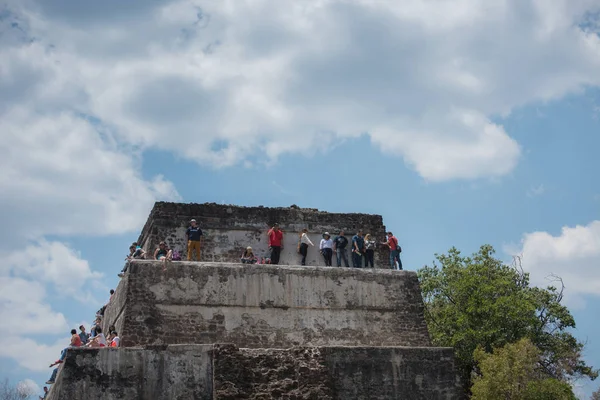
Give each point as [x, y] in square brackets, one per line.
[248, 256]
[326, 248]
[193, 235]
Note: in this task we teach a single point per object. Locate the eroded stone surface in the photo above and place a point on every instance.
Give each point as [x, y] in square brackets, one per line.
[230, 229]
[225, 372]
[267, 306]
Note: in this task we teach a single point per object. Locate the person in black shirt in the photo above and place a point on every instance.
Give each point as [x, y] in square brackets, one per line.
[193, 235]
[339, 246]
[358, 248]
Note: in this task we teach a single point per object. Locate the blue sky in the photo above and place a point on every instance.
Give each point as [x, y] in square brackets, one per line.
[462, 124]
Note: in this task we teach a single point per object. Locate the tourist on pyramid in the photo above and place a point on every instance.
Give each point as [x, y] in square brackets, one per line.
[75, 342]
[248, 256]
[395, 250]
[326, 248]
[303, 244]
[193, 235]
[370, 245]
[162, 253]
[99, 340]
[358, 248]
[83, 335]
[340, 244]
[114, 339]
[275, 243]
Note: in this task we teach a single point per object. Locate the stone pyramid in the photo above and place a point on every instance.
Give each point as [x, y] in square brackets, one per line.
[223, 330]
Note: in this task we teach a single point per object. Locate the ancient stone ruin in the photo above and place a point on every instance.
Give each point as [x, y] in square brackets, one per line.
[218, 329]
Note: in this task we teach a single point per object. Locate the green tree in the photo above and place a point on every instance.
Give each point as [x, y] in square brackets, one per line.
[479, 301]
[513, 372]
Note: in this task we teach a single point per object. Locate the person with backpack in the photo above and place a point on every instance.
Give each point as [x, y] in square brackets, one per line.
[395, 250]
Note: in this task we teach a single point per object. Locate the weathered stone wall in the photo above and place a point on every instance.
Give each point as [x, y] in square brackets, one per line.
[227, 373]
[174, 372]
[267, 306]
[230, 229]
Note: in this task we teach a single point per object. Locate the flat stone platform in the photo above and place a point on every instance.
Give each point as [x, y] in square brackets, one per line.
[226, 372]
[267, 306]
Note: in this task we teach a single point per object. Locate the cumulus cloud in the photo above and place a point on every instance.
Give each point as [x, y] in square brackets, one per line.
[62, 174]
[32, 355]
[52, 262]
[574, 255]
[24, 309]
[220, 82]
[29, 277]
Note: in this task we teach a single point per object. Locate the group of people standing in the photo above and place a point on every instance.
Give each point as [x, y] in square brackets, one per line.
[362, 249]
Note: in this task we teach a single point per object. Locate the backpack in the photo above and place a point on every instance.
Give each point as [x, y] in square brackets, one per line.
[176, 256]
[398, 246]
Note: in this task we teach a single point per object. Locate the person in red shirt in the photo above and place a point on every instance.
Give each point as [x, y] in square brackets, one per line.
[275, 243]
[395, 250]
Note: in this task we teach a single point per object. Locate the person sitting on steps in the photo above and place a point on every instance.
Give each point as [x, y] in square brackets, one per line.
[162, 253]
[99, 340]
[248, 256]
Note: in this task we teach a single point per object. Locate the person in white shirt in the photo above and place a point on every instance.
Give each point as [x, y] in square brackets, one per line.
[326, 248]
[99, 340]
[303, 244]
[115, 341]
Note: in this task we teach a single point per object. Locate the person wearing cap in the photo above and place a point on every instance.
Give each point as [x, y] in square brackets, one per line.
[326, 248]
[275, 243]
[193, 235]
[248, 256]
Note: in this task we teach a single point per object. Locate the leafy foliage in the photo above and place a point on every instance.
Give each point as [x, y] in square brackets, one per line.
[513, 372]
[479, 301]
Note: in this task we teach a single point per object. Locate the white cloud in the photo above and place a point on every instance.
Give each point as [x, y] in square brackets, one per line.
[220, 82]
[574, 255]
[24, 309]
[32, 355]
[26, 277]
[52, 262]
[62, 174]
